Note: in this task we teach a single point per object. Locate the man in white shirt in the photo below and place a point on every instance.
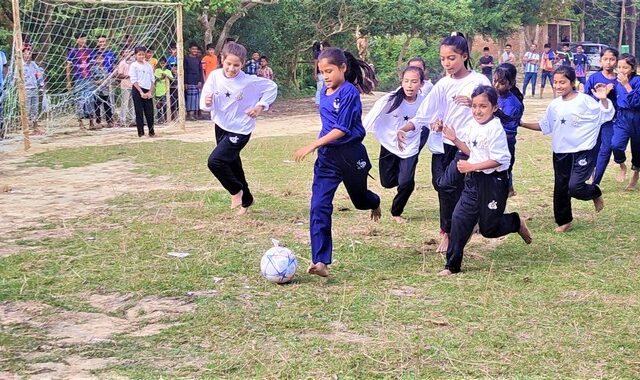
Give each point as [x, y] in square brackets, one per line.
[508, 56]
[530, 62]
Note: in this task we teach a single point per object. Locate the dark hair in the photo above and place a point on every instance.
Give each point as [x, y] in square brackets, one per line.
[325, 44]
[211, 46]
[491, 93]
[102, 36]
[631, 61]
[81, 35]
[193, 44]
[233, 48]
[139, 49]
[265, 58]
[162, 59]
[565, 44]
[173, 45]
[358, 71]
[460, 46]
[508, 45]
[98, 55]
[611, 50]
[508, 73]
[568, 72]
[486, 48]
[397, 97]
[579, 45]
[547, 46]
[149, 50]
[417, 59]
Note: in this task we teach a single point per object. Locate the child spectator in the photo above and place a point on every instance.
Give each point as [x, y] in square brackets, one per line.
[209, 61]
[265, 71]
[79, 79]
[34, 84]
[252, 65]
[163, 77]
[581, 65]
[486, 63]
[142, 81]
[126, 104]
[193, 80]
[149, 57]
[102, 81]
[172, 64]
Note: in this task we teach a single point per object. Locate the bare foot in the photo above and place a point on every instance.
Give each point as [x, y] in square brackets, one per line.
[242, 211]
[633, 182]
[236, 200]
[319, 269]
[445, 273]
[524, 232]
[598, 203]
[400, 219]
[444, 243]
[563, 228]
[376, 214]
[512, 192]
[622, 176]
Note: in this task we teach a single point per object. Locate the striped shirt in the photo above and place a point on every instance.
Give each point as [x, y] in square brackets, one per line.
[530, 67]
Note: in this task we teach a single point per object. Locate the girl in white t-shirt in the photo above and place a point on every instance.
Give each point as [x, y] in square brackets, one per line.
[388, 115]
[448, 103]
[573, 120]
[486, 183]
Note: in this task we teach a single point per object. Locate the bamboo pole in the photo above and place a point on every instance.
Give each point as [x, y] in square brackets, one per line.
[181, 88]
[120, 2]
[167, 84]
[17, 56]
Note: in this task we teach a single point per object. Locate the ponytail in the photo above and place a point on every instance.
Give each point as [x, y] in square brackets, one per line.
[359, 73]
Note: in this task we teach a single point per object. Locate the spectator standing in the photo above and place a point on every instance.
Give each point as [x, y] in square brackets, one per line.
[265, 71]
[79, 80]
[193, 81]
[209, 61]
[530, 62]
[486, 63]
[546, 62]
[508, 56]
[252, 65]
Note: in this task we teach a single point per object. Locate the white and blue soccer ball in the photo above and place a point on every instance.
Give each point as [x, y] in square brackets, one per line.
[278, 265]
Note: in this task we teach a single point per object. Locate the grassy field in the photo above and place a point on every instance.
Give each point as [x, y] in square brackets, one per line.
[566, 306]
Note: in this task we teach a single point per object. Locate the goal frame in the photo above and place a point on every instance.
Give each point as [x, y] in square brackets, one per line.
[19, 63]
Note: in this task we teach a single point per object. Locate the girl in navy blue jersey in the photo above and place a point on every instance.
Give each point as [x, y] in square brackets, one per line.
[342, 158]
[627, 123]
[504, 81]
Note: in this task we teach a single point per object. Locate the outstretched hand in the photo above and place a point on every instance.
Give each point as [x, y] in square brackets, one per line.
[301, 153]
[601, 90]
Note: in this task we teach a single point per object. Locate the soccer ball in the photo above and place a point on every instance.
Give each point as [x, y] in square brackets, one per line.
[278, 265]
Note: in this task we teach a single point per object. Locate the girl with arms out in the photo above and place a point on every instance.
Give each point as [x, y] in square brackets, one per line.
[573, 120]
[342, 158]
[235, 100]
[486, 185]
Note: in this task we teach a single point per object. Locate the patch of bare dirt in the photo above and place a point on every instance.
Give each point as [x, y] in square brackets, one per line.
[63, 328]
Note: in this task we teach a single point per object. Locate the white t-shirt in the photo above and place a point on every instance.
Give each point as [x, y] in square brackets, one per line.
[142, 73]
[574, 124]
[439, 104]
[488, 142]
[232, 97]
[385, 125]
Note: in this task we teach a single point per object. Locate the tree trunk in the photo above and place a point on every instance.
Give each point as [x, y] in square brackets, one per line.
[631, 22]
[622, 16]
[403, 50]
[208, 22]
[292, 70]
[226, 29]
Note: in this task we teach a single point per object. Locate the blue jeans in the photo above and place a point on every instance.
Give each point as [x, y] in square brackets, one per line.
[530, 77]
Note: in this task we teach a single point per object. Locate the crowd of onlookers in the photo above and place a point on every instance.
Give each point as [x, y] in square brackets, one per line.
[100, 81]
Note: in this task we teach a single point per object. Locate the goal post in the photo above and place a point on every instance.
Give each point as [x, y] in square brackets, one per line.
[59, 86]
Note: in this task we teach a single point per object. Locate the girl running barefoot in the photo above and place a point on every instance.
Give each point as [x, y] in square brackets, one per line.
[627, 124]
[235, 100]
[390, 113]
[342, 158]
[486, 185]
[448, 103]
[573, 119]
[603, 149]
[504, 81]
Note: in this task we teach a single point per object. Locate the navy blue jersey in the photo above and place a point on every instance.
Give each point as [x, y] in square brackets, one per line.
[342, 110]
[629, 100]
[596, 78]
[513, 109]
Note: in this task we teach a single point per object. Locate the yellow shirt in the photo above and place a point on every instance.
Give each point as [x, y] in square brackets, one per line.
[153, 62]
